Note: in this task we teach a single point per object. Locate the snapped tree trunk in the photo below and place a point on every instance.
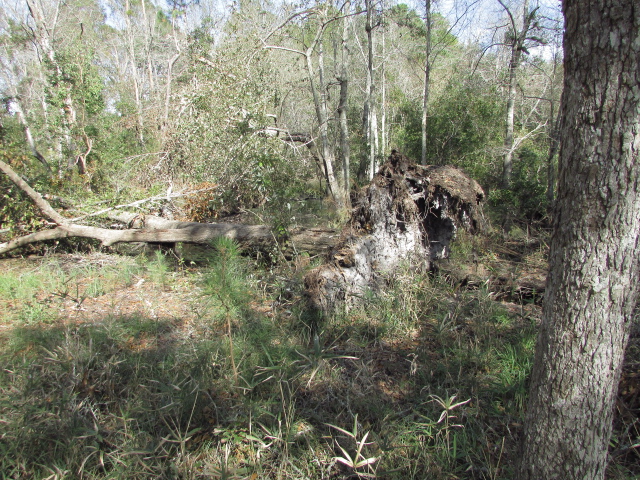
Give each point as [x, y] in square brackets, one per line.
[409, 213]
[593, 274]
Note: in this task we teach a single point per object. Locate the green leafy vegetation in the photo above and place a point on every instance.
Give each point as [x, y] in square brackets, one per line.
[151, 365]
[230, 379]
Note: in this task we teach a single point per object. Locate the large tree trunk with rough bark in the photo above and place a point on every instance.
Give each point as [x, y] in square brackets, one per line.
[593, 281]
[408, 214]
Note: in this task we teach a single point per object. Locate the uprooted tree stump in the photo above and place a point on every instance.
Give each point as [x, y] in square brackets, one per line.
[408, 214]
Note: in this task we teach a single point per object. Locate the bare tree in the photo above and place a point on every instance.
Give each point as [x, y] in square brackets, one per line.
[368, 114]
[319, 88]
[520, 36]
[343, 80]
[14, 105]
[427, 78]
[43, 32]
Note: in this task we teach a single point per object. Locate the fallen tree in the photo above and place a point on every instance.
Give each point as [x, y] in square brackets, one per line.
[409, 214]
[151, 229]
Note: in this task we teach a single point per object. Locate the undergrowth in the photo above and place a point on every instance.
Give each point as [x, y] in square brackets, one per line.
[426, 380]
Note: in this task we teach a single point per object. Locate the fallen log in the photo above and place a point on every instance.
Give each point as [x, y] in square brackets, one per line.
[409, 214]
[314, 241]
[151, 229]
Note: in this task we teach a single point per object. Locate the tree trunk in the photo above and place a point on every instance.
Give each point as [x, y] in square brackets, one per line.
[554, 138]
[383, 93]
[134, 72]
[593, 280]
[169, 78]
[320, 103]
[43, 36]
[167, 96]
[517, 43]
[146, 28]
[507, 163]
[147, 228]
[316, 241]
[554, 145]
[427, 78]
[367, 162]
[373, 144]
[15, 104]
[343, 80]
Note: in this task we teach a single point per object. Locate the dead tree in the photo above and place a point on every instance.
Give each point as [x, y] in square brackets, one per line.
[408, 214]
[147, 228]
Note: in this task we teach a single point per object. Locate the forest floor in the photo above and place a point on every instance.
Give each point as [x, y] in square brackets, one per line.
[123, 367]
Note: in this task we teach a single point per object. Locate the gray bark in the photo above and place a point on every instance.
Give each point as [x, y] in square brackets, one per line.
[343, 80]
[593, 276]
[134, 72]
[383, 94]
[409, 213]
[320, 103]
[427, 81]
[45, 41]
[368, 161]
[314, 241]
[554, 145]
[147, 228]
[15, 104]
[517, 44]
[554, 137]
[167, 95]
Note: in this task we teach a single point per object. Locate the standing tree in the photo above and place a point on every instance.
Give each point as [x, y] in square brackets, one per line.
[369, 112]
[518, 39]
[321, 18]
[427, 77]
[593, 278]
[343, 79]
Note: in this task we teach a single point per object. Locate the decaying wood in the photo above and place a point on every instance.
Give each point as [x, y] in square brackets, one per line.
[314, 241]
[409, 214]
[158, 230]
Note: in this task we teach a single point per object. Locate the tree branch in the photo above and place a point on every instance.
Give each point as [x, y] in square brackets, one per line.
[40, 202]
